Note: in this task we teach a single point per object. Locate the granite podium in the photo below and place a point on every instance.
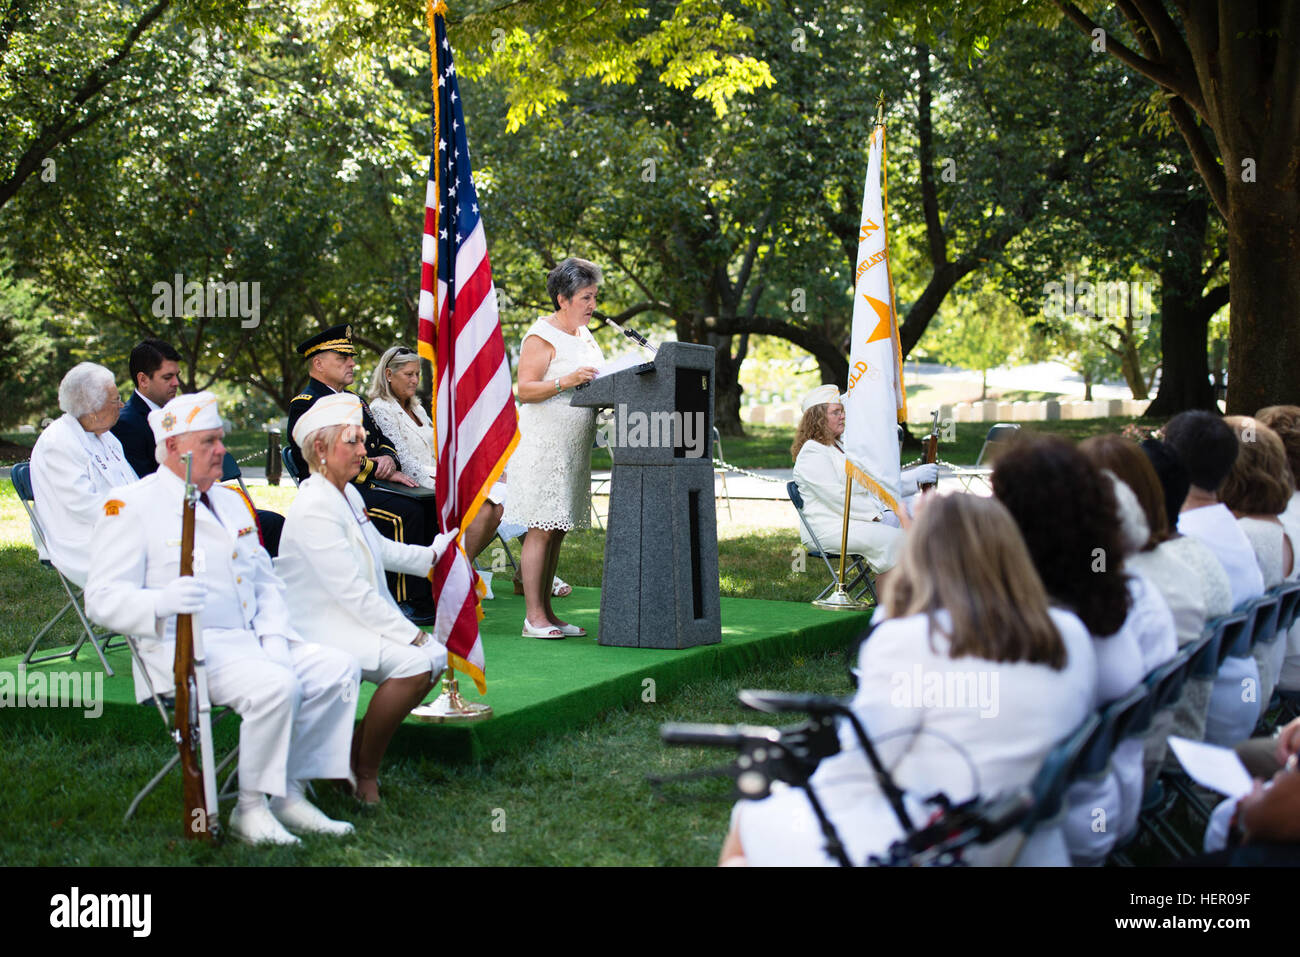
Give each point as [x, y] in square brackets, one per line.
[660, 584]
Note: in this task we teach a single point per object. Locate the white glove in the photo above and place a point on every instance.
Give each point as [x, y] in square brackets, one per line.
[441, 542]
[184, 596]
[277, 649]
[926, 474]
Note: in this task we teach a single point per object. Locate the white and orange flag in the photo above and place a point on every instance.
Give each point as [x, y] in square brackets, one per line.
[875, 402]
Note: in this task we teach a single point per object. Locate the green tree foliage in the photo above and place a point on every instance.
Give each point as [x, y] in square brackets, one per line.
[270, 168]
[979, 329]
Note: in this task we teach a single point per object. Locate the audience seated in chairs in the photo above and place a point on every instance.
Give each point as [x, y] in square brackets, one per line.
[1067, 513]
[1142, 507]
[1207, 447]
[1258, 490]
[397, 513]
[76, 462]
[963, 601]
[1285, 421]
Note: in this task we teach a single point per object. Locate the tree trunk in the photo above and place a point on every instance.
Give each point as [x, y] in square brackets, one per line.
[1185, 316]
[1263, 250]
[1131, 364]
[1185, 375]
[726, 386]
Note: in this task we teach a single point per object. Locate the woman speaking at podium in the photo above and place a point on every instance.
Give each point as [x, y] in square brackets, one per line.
[549, 478]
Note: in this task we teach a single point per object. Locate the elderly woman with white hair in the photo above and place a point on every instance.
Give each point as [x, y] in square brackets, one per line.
[332, 561]
[75, 463]
[819, 470]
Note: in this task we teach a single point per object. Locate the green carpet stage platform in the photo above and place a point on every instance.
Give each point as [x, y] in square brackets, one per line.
[538, 687]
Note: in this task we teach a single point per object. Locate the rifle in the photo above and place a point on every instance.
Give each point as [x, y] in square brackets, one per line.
[931, 452]
[193, 731]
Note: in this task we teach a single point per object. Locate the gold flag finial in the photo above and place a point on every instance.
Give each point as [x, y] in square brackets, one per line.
[880, 109]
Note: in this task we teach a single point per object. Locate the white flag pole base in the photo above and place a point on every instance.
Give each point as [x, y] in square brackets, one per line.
[449, 707]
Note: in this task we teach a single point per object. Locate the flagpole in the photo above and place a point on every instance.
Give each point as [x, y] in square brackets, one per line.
[449, 707]
[841, 600]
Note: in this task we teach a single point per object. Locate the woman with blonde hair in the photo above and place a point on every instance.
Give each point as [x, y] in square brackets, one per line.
[964, 689]
[400, 415]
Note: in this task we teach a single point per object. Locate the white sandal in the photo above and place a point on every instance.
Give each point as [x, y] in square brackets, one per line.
[560, 588]
[550, 631]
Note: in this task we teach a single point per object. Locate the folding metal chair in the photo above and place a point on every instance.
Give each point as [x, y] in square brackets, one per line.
[1053, 777]
[22, 479]
[231, 472]
[165, 704]
[858, 574]
[290, 467]
[719, 472]
[1230, 636]
[999, 434]
[1165, 685]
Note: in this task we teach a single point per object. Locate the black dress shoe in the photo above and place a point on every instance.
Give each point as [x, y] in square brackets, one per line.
[418, 612]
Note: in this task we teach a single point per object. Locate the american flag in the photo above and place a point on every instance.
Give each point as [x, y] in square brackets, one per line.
[475, 424]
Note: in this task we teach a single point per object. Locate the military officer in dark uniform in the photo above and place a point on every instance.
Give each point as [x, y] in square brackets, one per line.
[331, 363]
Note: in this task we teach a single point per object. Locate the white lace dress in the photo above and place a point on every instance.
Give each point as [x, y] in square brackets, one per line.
[414, 443]
[549, 475]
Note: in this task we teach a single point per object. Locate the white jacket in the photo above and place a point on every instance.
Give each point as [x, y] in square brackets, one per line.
[73, 472]
[136, 548]
[332, 560]
[819, 470]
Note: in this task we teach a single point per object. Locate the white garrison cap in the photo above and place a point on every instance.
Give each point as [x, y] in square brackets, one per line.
[821, 395]
[193, 412]
[342, 408]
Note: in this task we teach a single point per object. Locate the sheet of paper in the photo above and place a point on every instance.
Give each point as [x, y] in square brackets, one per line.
[617, 364]
[1211, 766]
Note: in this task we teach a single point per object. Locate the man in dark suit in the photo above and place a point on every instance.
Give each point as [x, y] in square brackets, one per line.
[155, 371]
[331, 363]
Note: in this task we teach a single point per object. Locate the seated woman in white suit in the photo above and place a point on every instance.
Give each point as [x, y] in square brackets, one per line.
[965, 603]
[76, 462]
[874, 531]
[332, 561]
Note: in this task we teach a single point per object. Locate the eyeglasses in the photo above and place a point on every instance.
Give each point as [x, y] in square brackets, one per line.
[402, 351]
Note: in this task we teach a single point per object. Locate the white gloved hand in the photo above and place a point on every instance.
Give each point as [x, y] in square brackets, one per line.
[441, 542]
[926, 474]
[277, 649]
[184, 596]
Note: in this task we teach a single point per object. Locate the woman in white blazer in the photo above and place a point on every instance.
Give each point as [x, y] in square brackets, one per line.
[332, 561]
[76, 462]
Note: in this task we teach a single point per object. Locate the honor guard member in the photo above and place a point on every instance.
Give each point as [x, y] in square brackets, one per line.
[297, 700]
[331, 363]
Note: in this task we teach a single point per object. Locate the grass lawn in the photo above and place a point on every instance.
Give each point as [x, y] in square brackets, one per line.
[579, 798]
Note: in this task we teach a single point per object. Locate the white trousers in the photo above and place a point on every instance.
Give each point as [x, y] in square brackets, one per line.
[296, 718]
[1234, 702]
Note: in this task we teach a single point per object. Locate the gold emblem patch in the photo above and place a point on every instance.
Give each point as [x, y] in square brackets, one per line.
[113, 506]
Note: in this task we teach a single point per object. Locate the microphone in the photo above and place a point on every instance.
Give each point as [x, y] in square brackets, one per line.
[631, 334]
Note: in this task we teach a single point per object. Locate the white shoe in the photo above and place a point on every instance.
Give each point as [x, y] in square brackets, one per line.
[305, 818]
[259, 826]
